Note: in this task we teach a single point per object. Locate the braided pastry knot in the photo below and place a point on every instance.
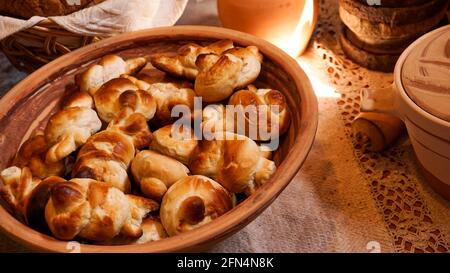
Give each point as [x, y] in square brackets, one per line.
[106, 157]
[220, 75]
[268, 114]
[192, 202]
[109, 67]
[16, 186]
[95, 211]
[155, 173]
[120, 93]
[70, 128]
[183, 64]
[235, 161]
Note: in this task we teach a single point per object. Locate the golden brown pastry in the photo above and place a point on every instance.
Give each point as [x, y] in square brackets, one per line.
[167, 94]
[17, 184]
[106, 157]
[30, 8]
[108, 68]
[95, 211]
[120, 93]
[155, 173]
[79, 99]
[176, 144]
[152, 230]
[32, 155]
[266, 151]
[183, 64]
[134, 126]
[267, 107]
[36, 201]
[215, 119]
[192, 202]
[70, 128]
[234, 161]
[220, 75]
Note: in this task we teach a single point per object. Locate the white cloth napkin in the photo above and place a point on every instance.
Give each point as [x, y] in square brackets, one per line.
[108, 18]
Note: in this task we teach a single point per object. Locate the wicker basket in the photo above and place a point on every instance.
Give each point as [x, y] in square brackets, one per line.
[32, 48]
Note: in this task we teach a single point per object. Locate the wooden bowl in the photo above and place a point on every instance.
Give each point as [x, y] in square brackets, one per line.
[28, 105]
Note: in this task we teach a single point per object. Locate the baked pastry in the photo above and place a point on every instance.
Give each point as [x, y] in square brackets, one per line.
[106, 157]
[167, 95]
[215, 119]
[266, 151]
[32, 155]
[70, 128]
[152, 230]
[192, 202]
[29, 8]
[234, 161]
[134, 126]
[155, 173]
[265, 113]
[119, 93]
[79, 99]
[95, 211]
[175, 143]
[183, 63]
[220, 75]
[17, 184]
[34, 205]
[151, 75]
[109, 67]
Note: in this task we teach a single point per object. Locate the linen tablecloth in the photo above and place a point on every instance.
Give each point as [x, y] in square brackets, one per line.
[342, 200]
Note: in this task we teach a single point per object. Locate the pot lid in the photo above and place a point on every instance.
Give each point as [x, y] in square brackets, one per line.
[426, 73]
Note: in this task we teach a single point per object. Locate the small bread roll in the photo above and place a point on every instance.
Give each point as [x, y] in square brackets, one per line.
[69, 129]
[106, 157]
[168, 94]
[109, 67]
[220, 75]
[215, 119]
[192, 202]
[94, 211]
[32, 155]
[17, 184]
[266, 114]
[119, 93]
[178, 145]
[234, 161]
[36, 201]
[134, 126]
[152, 230]
[155, 173]
[183, 64]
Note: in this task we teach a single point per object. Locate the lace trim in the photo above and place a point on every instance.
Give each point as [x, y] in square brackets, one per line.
[394, 189]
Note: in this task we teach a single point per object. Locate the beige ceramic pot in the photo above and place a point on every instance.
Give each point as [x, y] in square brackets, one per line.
[288, 24]
[420, 96]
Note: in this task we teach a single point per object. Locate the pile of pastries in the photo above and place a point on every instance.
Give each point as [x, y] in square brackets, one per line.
[111, 168]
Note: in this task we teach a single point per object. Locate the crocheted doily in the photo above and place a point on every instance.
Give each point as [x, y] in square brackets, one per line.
[416, 217]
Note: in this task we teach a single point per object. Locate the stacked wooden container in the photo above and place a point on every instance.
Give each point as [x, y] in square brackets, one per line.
[376, 32]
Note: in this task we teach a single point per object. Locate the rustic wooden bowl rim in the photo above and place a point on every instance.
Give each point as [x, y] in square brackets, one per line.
[228, 223]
